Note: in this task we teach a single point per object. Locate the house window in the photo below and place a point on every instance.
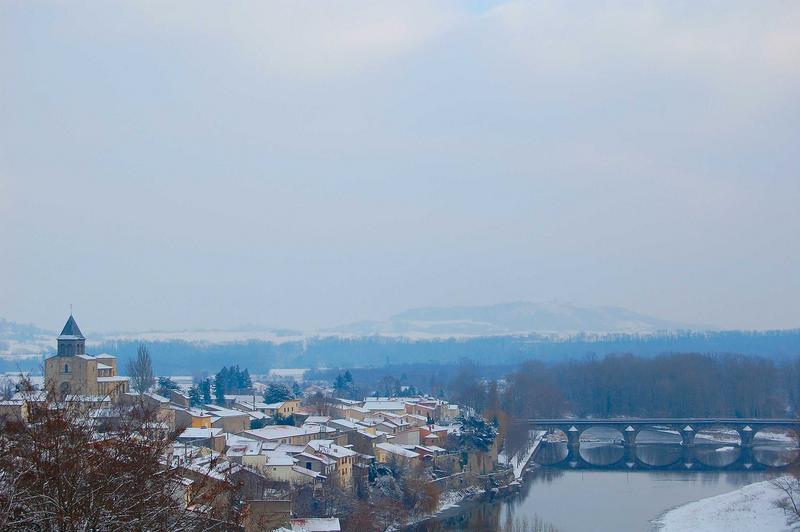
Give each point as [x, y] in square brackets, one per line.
[308, 465]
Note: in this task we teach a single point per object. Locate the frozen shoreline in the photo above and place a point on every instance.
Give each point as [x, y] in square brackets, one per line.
[748, 509]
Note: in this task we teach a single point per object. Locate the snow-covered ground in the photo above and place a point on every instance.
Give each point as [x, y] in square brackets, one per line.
[748, 509]
[519, 460]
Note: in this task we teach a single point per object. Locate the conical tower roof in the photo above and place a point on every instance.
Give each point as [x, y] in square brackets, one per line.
[71, 330]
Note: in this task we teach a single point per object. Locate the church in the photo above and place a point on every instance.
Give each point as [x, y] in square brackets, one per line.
[72, 371]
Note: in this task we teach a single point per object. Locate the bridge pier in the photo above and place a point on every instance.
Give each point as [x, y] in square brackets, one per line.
[687, 455]
[630, 436]
[746, 435]
[630, 456]
[573, 446]
[687, 436]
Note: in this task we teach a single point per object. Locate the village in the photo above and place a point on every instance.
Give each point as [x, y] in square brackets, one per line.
[301, 463]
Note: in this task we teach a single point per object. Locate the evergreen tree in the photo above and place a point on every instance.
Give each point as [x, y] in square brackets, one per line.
[165, 384]
[205, 390]
[195, 399]
[296, 391]
[277, 392]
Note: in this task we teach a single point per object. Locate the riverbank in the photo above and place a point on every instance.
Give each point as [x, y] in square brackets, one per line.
[520, 461]
[748, 509]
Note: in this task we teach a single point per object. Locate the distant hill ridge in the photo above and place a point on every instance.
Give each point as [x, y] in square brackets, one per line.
[515, 318]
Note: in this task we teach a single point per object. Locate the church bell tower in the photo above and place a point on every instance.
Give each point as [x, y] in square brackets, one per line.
[71, 341]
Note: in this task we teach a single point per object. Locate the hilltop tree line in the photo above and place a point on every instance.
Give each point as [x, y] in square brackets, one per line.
[177, 357]
[669, 385]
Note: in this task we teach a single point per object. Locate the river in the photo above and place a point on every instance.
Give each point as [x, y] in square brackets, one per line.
[575, 500]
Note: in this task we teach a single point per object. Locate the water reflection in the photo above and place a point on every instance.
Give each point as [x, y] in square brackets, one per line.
[662, 448]
[598, 500]
[601, 446]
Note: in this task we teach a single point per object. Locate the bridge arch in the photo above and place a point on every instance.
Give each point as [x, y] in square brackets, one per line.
[553, 448]
[602, 446]
[659, 445]
[775, 445]
[719, 446]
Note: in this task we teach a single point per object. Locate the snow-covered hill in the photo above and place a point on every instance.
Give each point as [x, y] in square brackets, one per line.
[517, 317]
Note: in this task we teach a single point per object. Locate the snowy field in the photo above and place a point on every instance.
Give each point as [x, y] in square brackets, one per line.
[748, 509]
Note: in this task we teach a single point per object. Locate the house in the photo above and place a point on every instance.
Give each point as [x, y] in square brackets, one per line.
[434, 435]
[191, 418]
[383, 404]
[317, 463]
[344, 459]
[211, 477]
[288, 433]
[388, 452]
[434, 409]
[283, 408]
[179, 398]
[227, 419]
[15, 409]
[212, 438]
[283, 467]
[409, 436]
[153, 403]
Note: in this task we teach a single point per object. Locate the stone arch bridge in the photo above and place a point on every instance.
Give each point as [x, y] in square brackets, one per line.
[686, 427]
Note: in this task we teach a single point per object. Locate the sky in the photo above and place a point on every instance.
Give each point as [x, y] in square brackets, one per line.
[304, 164]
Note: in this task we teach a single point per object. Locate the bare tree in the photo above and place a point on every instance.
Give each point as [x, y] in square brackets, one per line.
[790, 500]
[58, 473]
[140, 370]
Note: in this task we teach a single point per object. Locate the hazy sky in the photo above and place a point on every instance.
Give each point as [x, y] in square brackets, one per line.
[201, 164]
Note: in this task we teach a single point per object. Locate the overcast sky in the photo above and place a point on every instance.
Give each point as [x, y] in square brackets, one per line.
[207, 164]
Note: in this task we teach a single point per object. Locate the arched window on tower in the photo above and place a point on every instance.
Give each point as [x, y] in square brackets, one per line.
[66, 368]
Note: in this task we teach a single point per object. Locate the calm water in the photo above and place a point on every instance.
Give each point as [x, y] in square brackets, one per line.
[615, 500]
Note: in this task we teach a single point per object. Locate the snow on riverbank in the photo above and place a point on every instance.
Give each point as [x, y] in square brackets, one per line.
[520, 460]
[748, 509]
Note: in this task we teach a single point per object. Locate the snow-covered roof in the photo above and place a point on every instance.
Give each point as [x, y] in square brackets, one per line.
[235, 439]
[288, 448]
[100, 365]
[368, 434]
[87, 398]
[324, 459]
[159, 398]
[278, 432]
[396, 449]
[275, 406]
[307, 472]
[316, 524]
[345, 423]
[198, 433]
[252, 405]
[218, 471]
[104, 355]
[250, 448]
[331, 449]
[374, 406]
[220, 411]
[275, 458]
[116, 378]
